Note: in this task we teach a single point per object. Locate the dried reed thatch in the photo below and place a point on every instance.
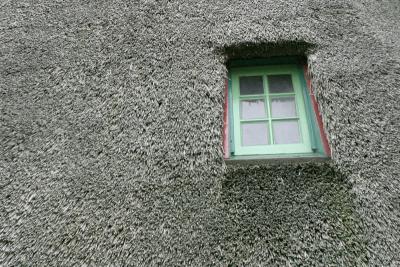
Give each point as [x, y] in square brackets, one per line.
[110, 135]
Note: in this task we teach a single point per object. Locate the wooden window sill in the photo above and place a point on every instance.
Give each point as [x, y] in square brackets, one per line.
[276, 159]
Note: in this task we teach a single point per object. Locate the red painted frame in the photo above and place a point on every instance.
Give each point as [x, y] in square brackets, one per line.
[226, 123]
[314, 104]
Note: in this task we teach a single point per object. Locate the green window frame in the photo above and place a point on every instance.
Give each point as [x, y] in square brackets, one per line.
[309, 143]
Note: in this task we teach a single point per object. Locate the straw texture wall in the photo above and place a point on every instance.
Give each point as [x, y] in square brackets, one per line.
[110, 135]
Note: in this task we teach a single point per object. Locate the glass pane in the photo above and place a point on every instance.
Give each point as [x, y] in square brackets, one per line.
[252, 109]
[254, 134]
[251, 85]
[283, 107]
[280, 83]
[286, 132]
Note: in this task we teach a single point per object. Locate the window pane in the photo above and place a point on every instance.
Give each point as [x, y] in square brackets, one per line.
[286, 132]
[252, 109]
[283, 107]
[254, 134]
[251, 85]
[280, 83]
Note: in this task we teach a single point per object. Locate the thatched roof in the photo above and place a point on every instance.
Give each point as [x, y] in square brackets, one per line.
[111, 146]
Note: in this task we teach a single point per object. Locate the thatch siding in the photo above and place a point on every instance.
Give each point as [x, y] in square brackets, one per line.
[110, 135]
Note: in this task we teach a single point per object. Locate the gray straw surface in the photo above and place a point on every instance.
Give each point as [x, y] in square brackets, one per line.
[111, 118]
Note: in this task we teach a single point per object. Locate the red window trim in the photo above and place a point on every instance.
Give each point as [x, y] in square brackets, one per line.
[314, 104]
[226, 123]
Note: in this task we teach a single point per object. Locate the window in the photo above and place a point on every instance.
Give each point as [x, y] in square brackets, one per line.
[271, 114]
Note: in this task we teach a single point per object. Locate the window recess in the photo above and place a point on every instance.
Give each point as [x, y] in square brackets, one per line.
[269, 112]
